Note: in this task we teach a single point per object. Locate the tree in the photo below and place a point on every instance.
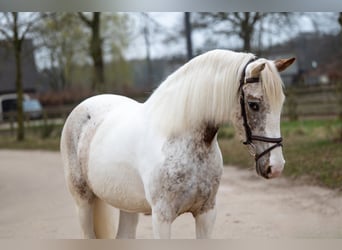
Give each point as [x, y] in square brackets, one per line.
[15, 28]
[98, 23]
[244, 25]
[149, 29]
[188, 31]
[94, 24]
[64, 45]
[67, 48]
[339, 85]
[146, 31]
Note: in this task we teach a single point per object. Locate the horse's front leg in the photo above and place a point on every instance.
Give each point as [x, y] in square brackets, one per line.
[127, 225]
[205, 224]
[161, 225]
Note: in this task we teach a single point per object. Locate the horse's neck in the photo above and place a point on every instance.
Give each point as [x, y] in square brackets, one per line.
[202, 135]
[175, 111]
[205, 90]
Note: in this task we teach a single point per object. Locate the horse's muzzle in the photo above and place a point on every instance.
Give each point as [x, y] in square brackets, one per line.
[270, 171]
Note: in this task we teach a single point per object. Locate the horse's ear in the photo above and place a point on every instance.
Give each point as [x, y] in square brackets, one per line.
[283, 64]
[256, 70]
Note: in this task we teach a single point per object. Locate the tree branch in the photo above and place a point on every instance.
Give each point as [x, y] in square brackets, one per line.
[256, 18]
[85, 19]
[6, 34]
[27, 29]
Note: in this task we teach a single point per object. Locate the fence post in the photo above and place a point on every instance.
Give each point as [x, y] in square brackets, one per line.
[12, 121]
[338, 85]
[292, 104]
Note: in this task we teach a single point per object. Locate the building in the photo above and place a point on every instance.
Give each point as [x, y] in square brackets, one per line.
[30, 75]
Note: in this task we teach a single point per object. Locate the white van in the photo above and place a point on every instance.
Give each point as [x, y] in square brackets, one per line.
[8, 103]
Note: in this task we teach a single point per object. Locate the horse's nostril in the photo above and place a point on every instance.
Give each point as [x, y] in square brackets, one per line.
[273, 172]
[269, 170]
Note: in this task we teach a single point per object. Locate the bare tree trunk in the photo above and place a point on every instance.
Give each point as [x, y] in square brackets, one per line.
[146, 33]
[188, 35]
[18, 81]
[246, 32]
[15, 32]
[96, 53]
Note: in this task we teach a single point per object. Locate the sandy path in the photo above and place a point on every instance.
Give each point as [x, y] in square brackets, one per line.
[34, 203]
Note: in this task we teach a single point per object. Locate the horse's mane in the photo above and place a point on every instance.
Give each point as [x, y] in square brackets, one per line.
[203, 91]
[273, 86]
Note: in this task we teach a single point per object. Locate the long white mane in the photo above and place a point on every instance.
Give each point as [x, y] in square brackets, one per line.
[273, 86]
[202, 91]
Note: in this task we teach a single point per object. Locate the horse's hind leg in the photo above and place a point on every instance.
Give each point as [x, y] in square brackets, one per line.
[127, 225]
[85, 215]
[85, 200]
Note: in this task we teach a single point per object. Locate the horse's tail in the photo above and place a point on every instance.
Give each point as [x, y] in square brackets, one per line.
[106, 220]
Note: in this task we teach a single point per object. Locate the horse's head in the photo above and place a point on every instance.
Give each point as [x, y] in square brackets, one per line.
[257, 120]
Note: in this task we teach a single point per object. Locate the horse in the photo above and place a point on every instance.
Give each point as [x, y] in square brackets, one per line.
[162, 156]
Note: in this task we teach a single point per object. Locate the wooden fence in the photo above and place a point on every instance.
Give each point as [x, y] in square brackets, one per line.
[51, 117]
[316, 101]
[302, 102]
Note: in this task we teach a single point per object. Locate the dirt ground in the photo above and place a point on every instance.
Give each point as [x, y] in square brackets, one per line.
[35, 204]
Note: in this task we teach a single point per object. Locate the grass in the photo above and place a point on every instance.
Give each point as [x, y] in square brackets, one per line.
[43, 137]
[30, 143]
[311, 148]
[312, 151]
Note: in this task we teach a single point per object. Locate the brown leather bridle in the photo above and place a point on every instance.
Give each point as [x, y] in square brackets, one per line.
[249, 137]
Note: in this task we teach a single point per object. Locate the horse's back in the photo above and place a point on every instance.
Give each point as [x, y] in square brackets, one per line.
[88, 115]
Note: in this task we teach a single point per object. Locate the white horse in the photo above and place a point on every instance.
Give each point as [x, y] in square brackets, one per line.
[162, 156]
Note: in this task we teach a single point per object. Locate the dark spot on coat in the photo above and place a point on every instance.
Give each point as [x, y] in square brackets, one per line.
[209, 134]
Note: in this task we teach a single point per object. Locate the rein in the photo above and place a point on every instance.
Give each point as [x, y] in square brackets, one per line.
[249, 137]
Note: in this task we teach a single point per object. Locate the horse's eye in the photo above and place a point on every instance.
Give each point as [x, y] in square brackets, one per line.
[254, 106]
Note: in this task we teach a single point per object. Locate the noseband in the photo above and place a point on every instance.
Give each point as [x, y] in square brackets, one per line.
[249, 137]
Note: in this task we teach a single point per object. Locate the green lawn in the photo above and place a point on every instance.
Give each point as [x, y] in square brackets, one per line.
[311, 149]
[44, 137]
